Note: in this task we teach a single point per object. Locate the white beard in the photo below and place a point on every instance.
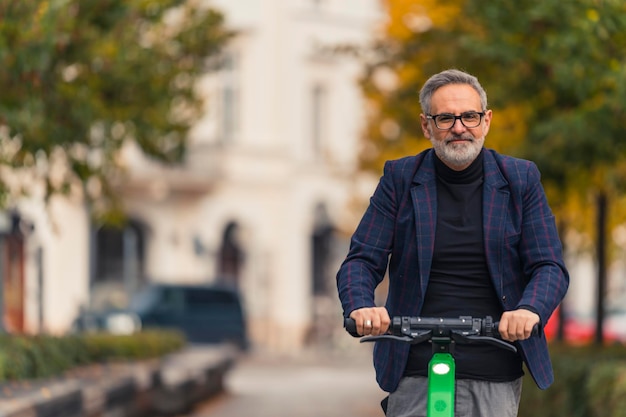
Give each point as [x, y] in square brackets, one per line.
[458, 154]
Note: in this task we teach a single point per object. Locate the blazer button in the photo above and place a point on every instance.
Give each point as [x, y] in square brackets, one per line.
[504, 298]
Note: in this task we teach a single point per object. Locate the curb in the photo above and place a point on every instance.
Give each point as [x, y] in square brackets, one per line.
[168, 386]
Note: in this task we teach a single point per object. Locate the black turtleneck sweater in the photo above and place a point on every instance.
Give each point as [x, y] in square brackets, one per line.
[459, 282]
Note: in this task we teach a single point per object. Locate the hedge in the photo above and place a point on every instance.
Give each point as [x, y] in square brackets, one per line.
[29, 357]
[590, 381]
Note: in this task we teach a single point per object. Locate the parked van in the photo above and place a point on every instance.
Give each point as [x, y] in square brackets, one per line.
[203, 313]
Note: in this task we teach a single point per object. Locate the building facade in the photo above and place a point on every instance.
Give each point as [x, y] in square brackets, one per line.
[264, 201]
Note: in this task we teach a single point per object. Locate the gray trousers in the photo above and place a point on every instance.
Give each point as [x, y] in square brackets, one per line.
[473, 398]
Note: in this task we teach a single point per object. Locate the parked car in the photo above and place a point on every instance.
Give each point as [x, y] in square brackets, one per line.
[203, 313]
[581, 329]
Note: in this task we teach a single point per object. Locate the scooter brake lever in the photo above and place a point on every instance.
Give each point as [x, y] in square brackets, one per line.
[492, 341]
[405, 339]
[413, 339]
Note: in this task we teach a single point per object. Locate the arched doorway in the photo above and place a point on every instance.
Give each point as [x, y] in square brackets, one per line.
[118, 264]
[230, 256]
[322, 277]
[322, 246]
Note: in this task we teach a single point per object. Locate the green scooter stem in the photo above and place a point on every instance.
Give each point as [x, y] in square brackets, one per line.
[441, 385]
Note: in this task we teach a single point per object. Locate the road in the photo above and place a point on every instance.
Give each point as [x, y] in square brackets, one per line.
[309, 385]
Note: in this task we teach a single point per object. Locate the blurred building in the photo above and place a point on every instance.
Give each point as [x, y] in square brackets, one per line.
[264, 202]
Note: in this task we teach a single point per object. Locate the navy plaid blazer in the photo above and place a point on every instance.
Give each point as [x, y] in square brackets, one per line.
[397, 233]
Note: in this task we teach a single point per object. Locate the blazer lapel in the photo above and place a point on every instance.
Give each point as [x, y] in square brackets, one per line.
[495, 213]
[424, 197]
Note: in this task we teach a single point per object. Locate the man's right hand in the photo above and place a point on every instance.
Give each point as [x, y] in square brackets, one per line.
[372, 321]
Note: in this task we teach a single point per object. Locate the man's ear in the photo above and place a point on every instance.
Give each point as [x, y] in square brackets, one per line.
[487, 122]
[424, 123]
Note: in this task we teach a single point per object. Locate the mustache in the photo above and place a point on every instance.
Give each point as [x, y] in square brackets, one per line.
[466, 137]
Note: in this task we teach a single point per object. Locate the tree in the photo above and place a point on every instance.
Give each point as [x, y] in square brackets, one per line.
[573, 77]
[80, 78]
[555, 75]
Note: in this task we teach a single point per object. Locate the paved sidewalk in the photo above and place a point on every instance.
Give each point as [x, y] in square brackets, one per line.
[313, 383]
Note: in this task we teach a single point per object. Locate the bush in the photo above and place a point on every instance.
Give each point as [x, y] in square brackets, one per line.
[29, 357]
[149, 344]
[589, 381]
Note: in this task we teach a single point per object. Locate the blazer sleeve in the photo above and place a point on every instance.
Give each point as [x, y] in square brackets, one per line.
[540, 251]
[366, 263]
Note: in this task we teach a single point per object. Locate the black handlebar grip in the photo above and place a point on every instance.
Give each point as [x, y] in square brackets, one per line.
[536, 331]
[350, 325]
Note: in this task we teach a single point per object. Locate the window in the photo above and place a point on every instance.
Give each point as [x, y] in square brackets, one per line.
[318, 118]
[229, 98]
[119, 253]
[172, 300]
[206, 300]
[118, 264]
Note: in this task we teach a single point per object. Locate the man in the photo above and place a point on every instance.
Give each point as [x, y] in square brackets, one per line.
[462, 231]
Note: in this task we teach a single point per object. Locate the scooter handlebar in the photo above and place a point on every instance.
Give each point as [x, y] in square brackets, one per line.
[350, 325]
[487, 327]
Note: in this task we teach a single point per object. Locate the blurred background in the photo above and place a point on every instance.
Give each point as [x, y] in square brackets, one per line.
[235, 143]
[181, 142]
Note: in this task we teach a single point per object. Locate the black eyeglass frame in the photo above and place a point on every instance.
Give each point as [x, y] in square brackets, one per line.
[434, 118]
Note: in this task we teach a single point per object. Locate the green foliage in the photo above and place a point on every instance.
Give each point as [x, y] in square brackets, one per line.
[565, 60]
[607, 388]
[29, 357]
[555, 73]
[80, 78]
[589, 381]
[39, 355]
[103, 346]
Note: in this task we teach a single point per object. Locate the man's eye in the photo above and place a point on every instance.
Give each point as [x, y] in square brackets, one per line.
[445, 118]
[470, 117]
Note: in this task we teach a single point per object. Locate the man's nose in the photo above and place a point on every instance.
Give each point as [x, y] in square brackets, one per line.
[458, 126]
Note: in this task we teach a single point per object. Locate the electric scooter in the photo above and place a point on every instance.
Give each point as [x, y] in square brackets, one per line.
[443, 333]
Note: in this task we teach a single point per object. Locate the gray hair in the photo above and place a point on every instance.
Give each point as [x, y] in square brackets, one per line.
[450, 76]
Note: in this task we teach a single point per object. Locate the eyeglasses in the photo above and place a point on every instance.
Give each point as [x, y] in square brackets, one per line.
[445, 121]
